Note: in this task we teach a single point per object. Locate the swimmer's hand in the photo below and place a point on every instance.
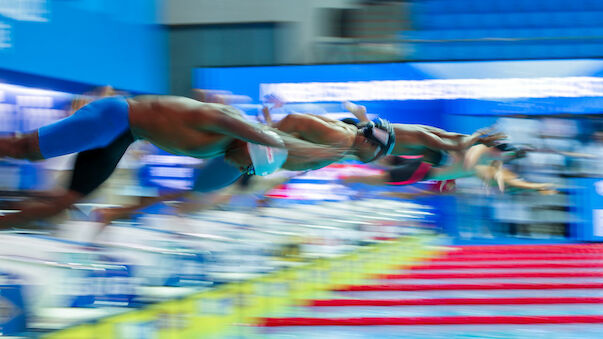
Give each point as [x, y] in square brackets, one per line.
[546, 189]
[483, 136]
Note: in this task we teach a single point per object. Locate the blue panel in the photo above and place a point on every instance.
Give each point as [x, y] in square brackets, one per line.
[536, 6]
[586, 50]
[590, 19]
[457, 6]
[589, 205]
[576, 5]
[429, 7]
[440, 21]
[563, 19]
[506, 6]
[80, 41]
[462, 21]
[593, 50]
[427, 52]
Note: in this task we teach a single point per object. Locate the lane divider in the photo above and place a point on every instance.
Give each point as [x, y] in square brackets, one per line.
[506, 265]
[461, 251]
[412, 321]
[459, 287]
[518, 257]
[490, 275]
[454, 301]
[527, 247]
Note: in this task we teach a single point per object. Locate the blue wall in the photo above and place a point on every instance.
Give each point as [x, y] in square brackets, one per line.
[98, 42]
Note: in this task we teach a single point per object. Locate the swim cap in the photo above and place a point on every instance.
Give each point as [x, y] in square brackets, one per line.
[382, 133]
[511, 152]
[266, 159]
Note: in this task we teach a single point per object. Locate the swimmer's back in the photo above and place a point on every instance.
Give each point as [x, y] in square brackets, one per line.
[176, 124]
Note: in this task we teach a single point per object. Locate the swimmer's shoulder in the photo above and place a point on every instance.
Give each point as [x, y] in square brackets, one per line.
[166, 102]
[153, 98]
[182, 104]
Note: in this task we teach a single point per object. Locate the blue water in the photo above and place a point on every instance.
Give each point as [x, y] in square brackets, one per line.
[431, 332]
[442, 310]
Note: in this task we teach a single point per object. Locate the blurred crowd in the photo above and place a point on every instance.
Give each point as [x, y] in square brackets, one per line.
[561, 150]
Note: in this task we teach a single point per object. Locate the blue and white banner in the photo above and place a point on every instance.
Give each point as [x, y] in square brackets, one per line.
[588, 204]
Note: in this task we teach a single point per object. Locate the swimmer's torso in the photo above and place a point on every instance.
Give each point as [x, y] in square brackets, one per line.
[328, 132]
[176, 124]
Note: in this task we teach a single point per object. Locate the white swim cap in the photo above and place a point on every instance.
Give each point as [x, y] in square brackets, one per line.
[266, 159]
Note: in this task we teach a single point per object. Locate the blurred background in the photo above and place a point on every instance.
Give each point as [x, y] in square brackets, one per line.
[257, 252]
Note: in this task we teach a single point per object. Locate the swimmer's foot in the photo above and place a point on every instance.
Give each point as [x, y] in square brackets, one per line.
[359, 111]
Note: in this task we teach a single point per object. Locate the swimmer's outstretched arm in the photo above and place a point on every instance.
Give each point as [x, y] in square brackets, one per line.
[442, 133]
[226, 120]
[512, 180]
[407, 134]
[504, 177]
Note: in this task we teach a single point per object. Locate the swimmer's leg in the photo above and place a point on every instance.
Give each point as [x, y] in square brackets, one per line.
[216, 174]
[24, 146]
[95, 125]
[91, 169]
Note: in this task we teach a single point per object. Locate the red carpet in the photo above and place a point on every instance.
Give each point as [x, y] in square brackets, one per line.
[511, 260]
